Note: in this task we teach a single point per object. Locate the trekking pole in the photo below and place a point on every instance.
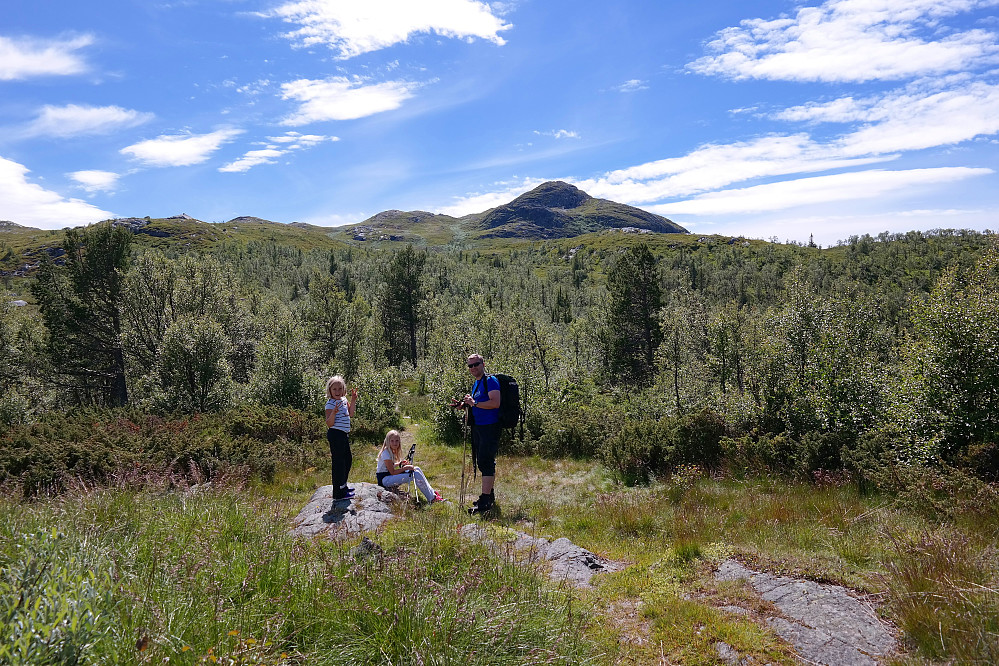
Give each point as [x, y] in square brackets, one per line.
[464, 450]
[412, 475]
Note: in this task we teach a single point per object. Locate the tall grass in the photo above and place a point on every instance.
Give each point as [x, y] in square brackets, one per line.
[125, 577]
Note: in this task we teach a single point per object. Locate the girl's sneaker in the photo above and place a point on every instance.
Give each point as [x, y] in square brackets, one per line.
[438, 497]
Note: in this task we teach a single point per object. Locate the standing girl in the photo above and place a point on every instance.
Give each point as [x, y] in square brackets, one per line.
[338, 414]
[393, 470]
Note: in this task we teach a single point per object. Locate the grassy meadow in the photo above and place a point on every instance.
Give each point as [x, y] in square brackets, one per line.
[142, 572]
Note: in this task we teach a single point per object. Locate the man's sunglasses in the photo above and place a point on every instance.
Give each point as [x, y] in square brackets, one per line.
[477, 363]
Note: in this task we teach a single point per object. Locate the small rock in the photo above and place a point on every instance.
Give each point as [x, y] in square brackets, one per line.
[728, 654]
[367, 548]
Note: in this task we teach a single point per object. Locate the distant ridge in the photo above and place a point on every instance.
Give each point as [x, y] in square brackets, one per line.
[554, 209]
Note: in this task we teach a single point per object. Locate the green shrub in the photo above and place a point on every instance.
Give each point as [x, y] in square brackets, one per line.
[56, 602]
[642, 450]
[637, 452]
[696, 439]
[123, 446]
[576, 430]
[759, 453]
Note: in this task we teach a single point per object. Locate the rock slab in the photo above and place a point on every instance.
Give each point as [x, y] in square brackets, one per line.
[569, 562]
[824, 623]
[368, 510]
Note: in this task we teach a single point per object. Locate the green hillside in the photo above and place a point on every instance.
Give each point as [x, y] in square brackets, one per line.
[23, 248]
[553, 210]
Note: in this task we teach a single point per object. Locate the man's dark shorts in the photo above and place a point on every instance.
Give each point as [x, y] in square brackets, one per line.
[485, 442]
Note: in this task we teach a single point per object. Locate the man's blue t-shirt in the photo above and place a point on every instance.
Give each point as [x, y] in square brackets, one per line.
[480, 393]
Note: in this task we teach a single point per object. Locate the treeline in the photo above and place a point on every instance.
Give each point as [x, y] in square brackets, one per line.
[877, 353]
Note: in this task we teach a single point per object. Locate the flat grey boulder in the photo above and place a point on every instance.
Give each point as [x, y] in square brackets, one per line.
[824, 623]
[368, 510]
[569, 562]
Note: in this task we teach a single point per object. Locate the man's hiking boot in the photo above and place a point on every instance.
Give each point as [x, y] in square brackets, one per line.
[482, 505]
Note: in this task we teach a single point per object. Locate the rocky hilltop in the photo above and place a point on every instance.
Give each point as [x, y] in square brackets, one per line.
[559, 210]
[554, 209]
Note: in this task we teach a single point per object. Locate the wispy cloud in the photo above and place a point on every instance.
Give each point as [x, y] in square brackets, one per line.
[904, 121]
[26, 57]
[73, 120]
[30, 204]
[632, 85]
[558, 134]
[340, 98]
[851, 40]
[480, 201]
[716, 166]
[180, 149]
[96, 181]
[353, 28]
[275, 147]
[824, 189]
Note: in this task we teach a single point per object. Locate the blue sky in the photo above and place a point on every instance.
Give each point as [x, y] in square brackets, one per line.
[764, 119]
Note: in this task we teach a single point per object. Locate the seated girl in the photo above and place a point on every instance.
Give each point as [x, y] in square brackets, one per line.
[394, 470]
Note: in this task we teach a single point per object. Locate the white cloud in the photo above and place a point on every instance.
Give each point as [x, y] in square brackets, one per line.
[179, 149]
[715, 166]
[251, 159]
[302, 140]
[559, 134]
[851, 40]
[73, 120]
[818, 190]
[96, 181]
[26, 57]
[353, 28]
[478, 202]
[289, 142]
[842, 110]
[32, 205]
[339, 98]
[632, 85]
[905, 121]
[257, 87]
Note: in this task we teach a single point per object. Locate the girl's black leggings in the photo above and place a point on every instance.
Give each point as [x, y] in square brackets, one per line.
[340, 456]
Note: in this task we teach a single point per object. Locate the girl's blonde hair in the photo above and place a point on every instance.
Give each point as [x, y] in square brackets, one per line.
[335, 379]
[385, 445]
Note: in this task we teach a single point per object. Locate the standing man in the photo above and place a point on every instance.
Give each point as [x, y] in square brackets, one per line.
[484, 401]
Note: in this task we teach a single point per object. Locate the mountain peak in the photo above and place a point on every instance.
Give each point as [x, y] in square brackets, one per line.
[553, 194]
[556, 209]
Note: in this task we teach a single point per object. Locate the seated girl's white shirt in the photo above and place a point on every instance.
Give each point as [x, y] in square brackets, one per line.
[385, 456]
